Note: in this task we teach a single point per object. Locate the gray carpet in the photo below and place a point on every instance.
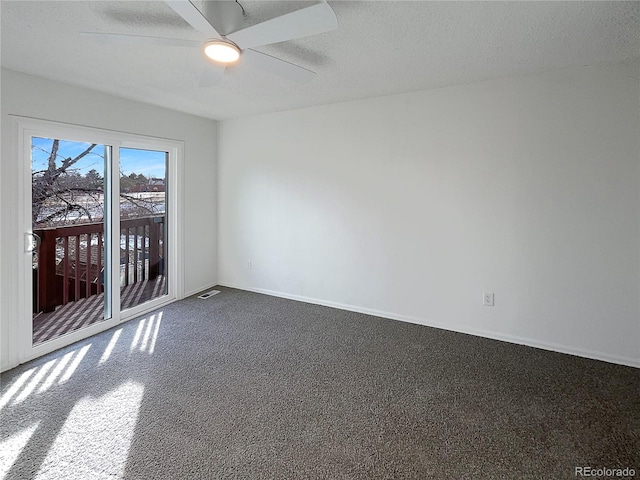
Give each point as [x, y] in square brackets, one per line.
[249, 386]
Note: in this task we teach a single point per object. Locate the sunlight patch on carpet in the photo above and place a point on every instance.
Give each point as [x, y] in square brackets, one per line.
[35, 381]
[15, 387]
[154, 337]
[76, 361]
[136, 337]
[44, 376]
[112, 343]
[55, 373]
[95, 440]
[11, 447]
[146, 334]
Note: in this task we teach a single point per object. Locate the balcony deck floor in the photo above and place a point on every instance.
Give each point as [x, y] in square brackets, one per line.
[87, 311]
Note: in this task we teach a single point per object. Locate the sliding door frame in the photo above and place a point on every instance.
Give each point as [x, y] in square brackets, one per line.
[27, 128]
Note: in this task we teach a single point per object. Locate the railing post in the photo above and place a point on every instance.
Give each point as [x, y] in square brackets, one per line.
[154, 247]
[47, 285]
[127, 256]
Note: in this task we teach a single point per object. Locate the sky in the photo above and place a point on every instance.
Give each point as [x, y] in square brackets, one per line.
[147, 162]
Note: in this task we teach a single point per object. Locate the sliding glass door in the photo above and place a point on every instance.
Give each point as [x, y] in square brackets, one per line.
[71, 235]
[99, 228]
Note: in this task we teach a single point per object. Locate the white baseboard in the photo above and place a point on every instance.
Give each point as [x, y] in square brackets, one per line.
[554, 347]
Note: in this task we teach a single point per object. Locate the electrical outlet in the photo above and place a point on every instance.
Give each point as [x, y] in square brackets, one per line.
[249, 264]
[488, 298]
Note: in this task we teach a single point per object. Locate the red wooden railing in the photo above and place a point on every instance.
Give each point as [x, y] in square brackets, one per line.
[71, 259]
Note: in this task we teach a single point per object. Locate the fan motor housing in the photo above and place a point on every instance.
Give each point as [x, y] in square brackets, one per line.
[226, 17]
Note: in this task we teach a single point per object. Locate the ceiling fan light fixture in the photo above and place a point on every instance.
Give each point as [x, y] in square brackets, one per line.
[222, 51]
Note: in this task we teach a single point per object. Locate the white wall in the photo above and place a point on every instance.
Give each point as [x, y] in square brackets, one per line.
[39, 98]
[410, 206]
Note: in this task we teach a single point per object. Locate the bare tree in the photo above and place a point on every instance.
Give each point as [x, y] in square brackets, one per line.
[61, 195]
[53, 196]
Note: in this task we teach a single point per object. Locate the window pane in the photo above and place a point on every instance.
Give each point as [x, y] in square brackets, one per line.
[143, 224]
[68, 218]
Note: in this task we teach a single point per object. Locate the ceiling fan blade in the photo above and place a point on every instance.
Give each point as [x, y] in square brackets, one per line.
[211, 75]
[308, 21]
[277, 66]
[193, 17]
[139, 40]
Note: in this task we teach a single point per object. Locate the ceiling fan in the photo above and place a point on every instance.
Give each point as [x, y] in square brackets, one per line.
[225, 49]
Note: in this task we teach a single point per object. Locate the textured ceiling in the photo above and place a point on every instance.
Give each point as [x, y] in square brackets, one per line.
[379, 48]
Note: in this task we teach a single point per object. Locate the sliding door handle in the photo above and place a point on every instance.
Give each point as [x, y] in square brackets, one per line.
[32, 242]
